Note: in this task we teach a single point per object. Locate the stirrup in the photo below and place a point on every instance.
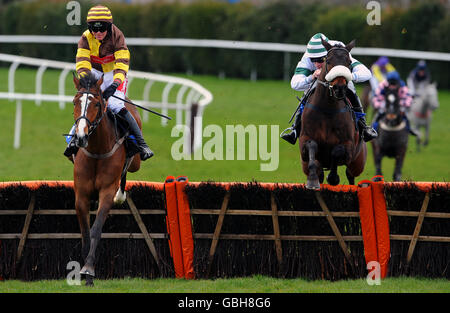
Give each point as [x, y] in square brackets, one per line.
[369, 133]
[289, 137]
[146, 153]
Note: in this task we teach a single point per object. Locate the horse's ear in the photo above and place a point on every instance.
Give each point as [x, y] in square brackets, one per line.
[76, 81]
[100, 82]
[350, 45]
[325, 44]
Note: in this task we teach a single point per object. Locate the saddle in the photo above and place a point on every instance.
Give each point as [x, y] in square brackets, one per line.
[121, 130]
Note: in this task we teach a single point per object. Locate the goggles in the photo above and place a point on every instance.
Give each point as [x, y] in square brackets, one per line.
[393, 82]
[318, 60]
[95, 27]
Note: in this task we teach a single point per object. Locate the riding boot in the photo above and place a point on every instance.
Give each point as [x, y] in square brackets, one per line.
[291, 134]
[71, 149]
[368, 133]
[145, 151]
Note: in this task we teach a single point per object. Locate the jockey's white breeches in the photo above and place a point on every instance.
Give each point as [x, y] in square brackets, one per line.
[114, 104]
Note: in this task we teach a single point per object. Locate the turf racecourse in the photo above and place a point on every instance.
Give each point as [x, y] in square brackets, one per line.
[235, 102]
[255, 284]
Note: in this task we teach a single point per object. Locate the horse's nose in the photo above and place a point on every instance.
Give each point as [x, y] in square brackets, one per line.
[339, 90]
[81, 141]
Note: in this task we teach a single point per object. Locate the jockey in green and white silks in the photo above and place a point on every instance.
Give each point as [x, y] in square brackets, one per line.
[308, 70]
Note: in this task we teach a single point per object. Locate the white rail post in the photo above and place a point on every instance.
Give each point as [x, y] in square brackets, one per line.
[62, 87]
[146, 97]
[11, 76]
[165, 102]
[39, 74]
[180, 94]
[18, 124]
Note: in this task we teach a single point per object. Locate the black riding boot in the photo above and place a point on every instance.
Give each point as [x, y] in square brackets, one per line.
[291, 134]
[368, 133]
[146, 153]
[71, 148]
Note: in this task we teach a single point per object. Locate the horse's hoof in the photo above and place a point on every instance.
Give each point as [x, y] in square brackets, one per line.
[313, 184]
[120, 197]
[89, 281]
[333, 180]
[87, 270]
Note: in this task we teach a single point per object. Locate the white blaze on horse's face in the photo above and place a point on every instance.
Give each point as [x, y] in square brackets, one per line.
[82, 123]
[391, 98]
[339, 71]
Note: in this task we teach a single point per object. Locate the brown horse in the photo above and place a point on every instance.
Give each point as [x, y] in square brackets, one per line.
[329, 137]
[100, 166]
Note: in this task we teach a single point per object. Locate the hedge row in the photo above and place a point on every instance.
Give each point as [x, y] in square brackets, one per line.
[423, 26]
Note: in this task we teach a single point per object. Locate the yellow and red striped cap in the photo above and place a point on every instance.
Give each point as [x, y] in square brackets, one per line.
[99, 13]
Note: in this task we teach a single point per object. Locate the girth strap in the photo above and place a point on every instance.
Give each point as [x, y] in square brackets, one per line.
[105, 155]
[327, 110]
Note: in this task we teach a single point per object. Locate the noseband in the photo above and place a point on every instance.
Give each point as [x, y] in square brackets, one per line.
[326, 83]
[92, 125]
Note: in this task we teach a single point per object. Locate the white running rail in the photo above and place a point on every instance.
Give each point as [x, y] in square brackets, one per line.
[196, 94]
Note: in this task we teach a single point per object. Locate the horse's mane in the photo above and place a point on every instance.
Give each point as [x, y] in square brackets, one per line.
[88, 81]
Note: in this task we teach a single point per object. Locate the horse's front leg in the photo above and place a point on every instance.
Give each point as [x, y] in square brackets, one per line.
[312, 181]
[82, 206]
[104, 205]
[399, 158]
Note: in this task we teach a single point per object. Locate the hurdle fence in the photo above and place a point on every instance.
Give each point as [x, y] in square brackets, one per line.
[359, 223]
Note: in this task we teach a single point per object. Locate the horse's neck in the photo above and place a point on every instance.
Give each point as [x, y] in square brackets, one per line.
[103, 138]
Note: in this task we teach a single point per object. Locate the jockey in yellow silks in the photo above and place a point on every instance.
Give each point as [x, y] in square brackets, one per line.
[102, 51]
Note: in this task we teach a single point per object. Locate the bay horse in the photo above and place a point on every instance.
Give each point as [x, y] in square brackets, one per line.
[329, 136]
[100, 165]
[420, 115]
[392, 140]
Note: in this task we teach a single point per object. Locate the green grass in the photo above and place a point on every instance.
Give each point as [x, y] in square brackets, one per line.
[255, 284]
[235, 102]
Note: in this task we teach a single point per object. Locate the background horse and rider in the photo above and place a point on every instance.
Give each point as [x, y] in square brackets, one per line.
[329, 137]
[392, 140]
[100, 165]
[424, 103]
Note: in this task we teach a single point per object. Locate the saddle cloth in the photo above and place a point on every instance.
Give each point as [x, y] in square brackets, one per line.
[121, 129]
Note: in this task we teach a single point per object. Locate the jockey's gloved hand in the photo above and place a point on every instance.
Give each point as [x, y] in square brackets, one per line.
[110, 90]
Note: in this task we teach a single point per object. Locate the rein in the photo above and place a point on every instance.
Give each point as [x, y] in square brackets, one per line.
[326, 83]
[93, 125]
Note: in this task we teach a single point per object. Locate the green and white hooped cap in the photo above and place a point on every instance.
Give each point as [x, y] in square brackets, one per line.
[315, 49]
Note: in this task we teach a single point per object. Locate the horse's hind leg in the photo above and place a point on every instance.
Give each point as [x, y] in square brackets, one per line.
[338, 156]
[121, 196]
[312, 181]
[350, 177]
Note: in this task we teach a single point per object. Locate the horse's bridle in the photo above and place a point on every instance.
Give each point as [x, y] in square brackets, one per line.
[326, 83]
[100, 114]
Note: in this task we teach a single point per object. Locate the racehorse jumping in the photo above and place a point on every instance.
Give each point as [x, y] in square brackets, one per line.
[100, 166]
[393, 135]
[422, 107]
[329, 136]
